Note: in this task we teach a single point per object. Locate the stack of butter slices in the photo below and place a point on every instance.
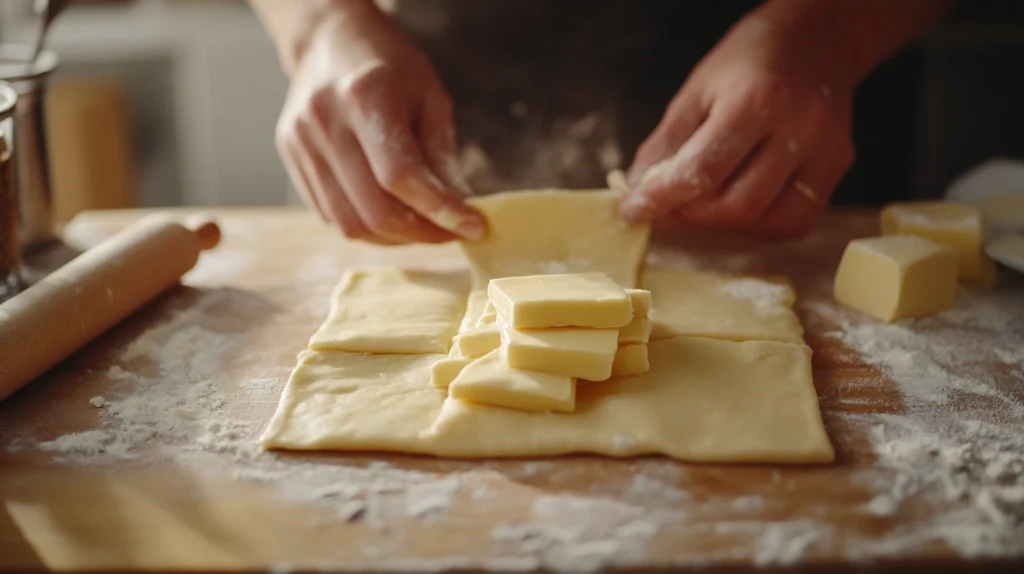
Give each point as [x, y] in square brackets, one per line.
[525, 342]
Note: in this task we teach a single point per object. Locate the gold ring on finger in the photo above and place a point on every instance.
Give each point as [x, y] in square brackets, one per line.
[805, 189]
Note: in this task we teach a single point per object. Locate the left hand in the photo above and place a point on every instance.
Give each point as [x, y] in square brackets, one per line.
[757, 138]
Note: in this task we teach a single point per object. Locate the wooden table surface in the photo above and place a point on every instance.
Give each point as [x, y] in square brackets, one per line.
[927, 418]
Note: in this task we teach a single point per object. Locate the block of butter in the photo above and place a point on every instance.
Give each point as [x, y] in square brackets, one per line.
[479, 340]
[568, 351]
[444, 371]
[630, 360]
[638, 331]
[566, 300]
[641, 301]
[957, 226]
[896, 276]
[489, 380]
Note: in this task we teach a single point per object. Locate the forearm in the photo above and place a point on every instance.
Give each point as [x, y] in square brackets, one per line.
[291, 23]
[852, 36]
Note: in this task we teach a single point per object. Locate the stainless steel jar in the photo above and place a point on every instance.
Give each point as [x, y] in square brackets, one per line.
[31, 174]
[10, 250]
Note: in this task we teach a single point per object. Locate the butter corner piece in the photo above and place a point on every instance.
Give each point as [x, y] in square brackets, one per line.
[892, 277]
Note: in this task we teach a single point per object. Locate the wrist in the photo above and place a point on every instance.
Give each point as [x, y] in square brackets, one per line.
[844, 40]
[316, 16]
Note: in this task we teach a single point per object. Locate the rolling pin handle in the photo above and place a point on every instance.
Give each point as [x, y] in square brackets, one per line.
[206, 229]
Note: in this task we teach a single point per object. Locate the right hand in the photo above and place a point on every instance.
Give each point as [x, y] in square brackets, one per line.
[367, 135]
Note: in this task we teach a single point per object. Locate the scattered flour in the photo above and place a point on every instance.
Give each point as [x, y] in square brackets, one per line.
[958, 443]
[786, 543]
[762, 293]
[959, 439]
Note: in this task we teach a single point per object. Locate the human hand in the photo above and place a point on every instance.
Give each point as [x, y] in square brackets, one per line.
[757, 138]
[367, 135]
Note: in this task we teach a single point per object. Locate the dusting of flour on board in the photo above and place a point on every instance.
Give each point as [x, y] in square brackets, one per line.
[169, 400]
[947, 446]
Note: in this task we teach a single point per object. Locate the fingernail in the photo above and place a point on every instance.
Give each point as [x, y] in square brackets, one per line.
[635, 207]
[473, 228]
[459, 223]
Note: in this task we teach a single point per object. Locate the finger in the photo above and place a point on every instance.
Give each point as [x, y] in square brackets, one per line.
[682, 117]
[290, 154]
[435, 132]
[381, 214]
[329, 194]
[718, 147]
[401, 171]
[798, 207]
[748, 196]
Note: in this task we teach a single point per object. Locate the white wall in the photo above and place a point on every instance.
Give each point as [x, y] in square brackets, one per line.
[217, 124]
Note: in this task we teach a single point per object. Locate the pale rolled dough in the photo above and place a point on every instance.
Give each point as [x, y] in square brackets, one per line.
[702, 400]
[721, 306]
[393, 310]
[729, 381]
[552, 231]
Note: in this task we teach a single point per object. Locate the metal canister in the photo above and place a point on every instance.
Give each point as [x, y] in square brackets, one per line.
[10, 251]
[32, 172]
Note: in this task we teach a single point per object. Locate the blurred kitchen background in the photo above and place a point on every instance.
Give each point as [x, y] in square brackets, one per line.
[172, 102]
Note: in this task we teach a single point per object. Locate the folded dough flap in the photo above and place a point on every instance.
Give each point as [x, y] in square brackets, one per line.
[394, 311]
[552, 231]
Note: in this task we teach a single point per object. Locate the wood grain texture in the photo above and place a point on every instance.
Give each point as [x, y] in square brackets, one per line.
[268, 281]
[62, 313]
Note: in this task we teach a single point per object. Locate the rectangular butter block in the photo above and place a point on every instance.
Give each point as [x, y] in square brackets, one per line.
[444, 371]
[957, 226]
[566, 300]
[490, 381]
[479, 340]
[638, 331]
[896, 276]
[489, 315]
[476, 305]
[630, 360]
[642, 302]
[572, 352]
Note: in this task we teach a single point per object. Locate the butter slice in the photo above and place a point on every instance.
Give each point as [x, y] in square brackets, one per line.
[479, 340]
[489, 380]
[476, 306]
[642, 302]
[638, 331]
[630, 360]
[957, 226]
[565, 300]
[897, 276]
[489, 315]
[444, 371]
[571, 352]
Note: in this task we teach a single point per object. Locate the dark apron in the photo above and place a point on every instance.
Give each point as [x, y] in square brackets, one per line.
[589, 72]
[550, 90]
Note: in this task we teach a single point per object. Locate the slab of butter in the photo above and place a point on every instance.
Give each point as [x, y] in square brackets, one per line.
[479, 340]
[631, 360]
[897, 276]
[490, 381]
[476, 306]
[489, 315]
[638, 331]
[957, 226]
[569, 351]
[444, 371]
[641, 301]
[566, 300]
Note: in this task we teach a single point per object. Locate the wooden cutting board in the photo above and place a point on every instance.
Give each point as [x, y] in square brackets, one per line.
[137, 453]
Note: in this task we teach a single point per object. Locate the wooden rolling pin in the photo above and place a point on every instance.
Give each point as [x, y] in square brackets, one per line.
[52, 319]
